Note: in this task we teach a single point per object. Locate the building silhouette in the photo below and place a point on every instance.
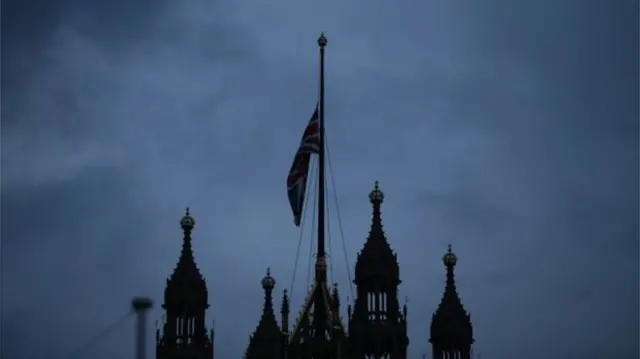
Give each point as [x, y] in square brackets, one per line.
[184, 334]
[376, 323]
[266, 340]
[451, 330]
[377, 326]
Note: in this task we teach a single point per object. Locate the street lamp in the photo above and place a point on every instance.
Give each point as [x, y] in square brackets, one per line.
[141, 305]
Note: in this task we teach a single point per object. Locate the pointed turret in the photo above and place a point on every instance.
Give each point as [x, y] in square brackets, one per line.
[184, 334]
[186, 279]
[377, 328]
[284, 312]
[266, 339]
[340, 348]
[451, 330]
[377, 258]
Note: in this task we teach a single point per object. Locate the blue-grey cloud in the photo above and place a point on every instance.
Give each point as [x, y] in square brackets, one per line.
[509, 129]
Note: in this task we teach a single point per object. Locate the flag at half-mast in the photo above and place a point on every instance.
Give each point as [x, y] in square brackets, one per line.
[297, 179]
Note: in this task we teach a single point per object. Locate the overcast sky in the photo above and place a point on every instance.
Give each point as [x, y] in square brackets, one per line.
[506, 128]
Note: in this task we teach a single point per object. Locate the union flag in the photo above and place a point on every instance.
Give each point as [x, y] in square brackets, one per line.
[297, 179]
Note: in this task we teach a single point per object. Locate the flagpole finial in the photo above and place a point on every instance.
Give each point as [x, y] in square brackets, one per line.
[322, 41]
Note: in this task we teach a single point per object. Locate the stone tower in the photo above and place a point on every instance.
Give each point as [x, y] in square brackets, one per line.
[377, 327]
[184, 335]
[451, 330]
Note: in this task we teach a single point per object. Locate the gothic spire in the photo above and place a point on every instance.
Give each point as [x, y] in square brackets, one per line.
[266, 339]
[184, 332]
[451, 329]
[284, 311]
[186, 275]
[451, 305]
[377, 258]
[377, 327]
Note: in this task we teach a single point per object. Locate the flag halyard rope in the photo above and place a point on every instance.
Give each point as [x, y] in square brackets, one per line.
[313, 179]
[340, 228]
[329, 258]
[314, 224]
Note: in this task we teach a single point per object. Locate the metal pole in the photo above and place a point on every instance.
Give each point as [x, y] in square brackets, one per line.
[141, 305]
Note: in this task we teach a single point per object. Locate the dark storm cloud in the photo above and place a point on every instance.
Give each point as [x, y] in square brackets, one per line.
[73, 157]
[506, 128]
[29, 27]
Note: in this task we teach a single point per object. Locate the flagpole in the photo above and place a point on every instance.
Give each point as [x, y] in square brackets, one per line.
[320, 349]
[321, 265]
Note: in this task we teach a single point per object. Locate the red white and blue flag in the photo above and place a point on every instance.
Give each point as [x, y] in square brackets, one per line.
[297, 179]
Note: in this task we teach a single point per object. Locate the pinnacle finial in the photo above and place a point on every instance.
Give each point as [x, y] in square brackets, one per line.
[187, 222]
[268, 282]
[322, 40]
[450, 259]
[376, 195]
